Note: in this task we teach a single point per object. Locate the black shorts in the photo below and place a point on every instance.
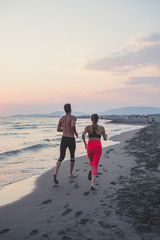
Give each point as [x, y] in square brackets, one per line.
[71, 144]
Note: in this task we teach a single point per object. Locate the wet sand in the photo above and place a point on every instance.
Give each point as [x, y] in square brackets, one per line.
[125, 204]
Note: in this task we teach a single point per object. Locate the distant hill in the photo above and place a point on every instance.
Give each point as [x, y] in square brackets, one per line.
[116, 111]
[54, 114]
[131, 110]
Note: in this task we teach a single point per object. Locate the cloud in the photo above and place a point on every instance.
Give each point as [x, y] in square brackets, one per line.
[144, 80]
[143, 42]
[147, 54]
[127, 92]
[134, 95]
[154, 38]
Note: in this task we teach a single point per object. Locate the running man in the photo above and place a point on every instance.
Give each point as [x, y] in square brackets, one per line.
[67, 125]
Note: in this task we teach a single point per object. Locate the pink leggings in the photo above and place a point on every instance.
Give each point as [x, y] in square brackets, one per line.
[94, 151]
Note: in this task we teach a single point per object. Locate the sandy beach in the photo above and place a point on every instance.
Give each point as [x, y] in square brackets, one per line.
[125, 204]
[133, 119]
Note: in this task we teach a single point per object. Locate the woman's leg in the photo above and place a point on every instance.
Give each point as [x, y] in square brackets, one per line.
[93, 181]
[96, 159]
[90, 163]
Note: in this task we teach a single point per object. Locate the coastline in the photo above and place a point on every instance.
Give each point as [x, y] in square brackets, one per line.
[9, 193]
[54, 212]
[16, 162]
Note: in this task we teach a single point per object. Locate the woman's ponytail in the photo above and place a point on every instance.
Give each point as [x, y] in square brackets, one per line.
[94, 119]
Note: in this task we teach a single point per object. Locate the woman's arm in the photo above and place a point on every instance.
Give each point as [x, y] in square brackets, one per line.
[83, 137]
[104, 134]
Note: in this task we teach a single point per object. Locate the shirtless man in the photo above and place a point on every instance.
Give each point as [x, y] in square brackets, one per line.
[67, 125]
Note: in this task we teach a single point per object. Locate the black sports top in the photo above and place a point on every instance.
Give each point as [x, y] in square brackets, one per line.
[94, 135]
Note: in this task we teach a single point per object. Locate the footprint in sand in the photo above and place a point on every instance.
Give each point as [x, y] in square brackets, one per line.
[66, 206]
[86, 193]
[113, 183]
[33, 233]
[76, 186]
[68, 210]
[44, 203]
[120, 166]
[110, 150]
[50, 220]
[84, 221]
[107, 212]
[77, 214]
[103, 204]
[105, 170]
[66, 238]
[71, 181]
[69, 193]
[4, 231]
[105, 225]
[46, 236]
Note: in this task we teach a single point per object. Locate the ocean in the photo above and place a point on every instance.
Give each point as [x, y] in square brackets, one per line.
[30, 146]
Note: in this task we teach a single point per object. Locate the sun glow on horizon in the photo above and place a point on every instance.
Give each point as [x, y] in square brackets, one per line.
[50, 55]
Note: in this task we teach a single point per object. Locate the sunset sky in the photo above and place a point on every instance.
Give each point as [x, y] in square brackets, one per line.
[95, 54]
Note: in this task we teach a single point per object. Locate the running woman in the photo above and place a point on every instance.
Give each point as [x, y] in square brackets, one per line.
[94, 147]
[67, 125]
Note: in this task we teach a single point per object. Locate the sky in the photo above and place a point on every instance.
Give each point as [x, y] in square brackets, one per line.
[95, 54]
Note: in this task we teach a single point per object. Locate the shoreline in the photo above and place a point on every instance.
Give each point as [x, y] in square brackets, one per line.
[108, 143]
[27, 185]
[68, 210]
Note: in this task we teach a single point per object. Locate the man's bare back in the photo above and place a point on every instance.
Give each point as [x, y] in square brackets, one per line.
[67, 125]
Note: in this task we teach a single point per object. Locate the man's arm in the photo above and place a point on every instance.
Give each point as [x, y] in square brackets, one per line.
[73, 126]
[59, 127]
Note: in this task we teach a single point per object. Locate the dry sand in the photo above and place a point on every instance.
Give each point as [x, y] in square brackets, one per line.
[125, 204]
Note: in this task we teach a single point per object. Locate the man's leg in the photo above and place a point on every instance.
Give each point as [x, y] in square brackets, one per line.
[72, 148]
[62, 156]
[56, 171]
[71, 168]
